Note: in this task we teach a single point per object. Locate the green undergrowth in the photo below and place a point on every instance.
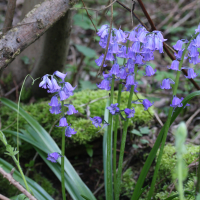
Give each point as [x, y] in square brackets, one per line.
[165, 180]
[88, 103]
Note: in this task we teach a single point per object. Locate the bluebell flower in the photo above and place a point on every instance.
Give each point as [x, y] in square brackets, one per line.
[122, 53]
[159, 35]
[191, 74]
[150, 43]
[175, 65]
[192, 48]
[115, 69]
[69, 131]
[53, 157]
[129, 112]
[166, 83]
[132, 36]
[63, 95]
[109, 56]
[178, 45]
[60, 75]
[56, 87]
[55, 109]
[99, 60]
[71, 109]
[187, 104]
[103, 31]
[122, 73]
[179, 55]
[141, 36]
[149, 71]
[54, 101]
[148, 55]
[50, 86]
[194, 60]
[113, 108]
[131, 54]
[114, 48]
[198, 29]
[105, 84]
[146, 103]
[130, 64]
[43, 84]
[96, 121]
[68, 89]
[135, 47]
[120, 35]
[130, 79]
[197, 41]
[63, 122]
[138, 59]
[176, 102]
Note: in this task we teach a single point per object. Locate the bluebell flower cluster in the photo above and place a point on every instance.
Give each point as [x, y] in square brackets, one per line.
[62, 90]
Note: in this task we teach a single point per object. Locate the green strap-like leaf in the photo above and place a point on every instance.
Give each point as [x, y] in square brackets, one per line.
[152, 154]
[40, 134]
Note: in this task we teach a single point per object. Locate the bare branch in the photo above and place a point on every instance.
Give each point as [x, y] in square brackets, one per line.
[16, 184]
[37, 22]
[3, 197]
[9, 15]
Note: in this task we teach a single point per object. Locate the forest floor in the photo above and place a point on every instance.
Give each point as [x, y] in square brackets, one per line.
[176, 21]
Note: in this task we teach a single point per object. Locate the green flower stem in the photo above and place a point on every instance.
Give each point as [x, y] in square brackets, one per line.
[63, 159]
[17, 160]
[109, 193]
[115, 137]
[167, 123]
[21, 172]
[121, 156]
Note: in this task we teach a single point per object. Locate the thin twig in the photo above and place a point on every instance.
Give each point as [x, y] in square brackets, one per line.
[89, 16]
[16, 184]
[3, 197]
[95, 9]
[192, 117]
[165, 45]
[108, 42]
[9, 15]
[80, 66]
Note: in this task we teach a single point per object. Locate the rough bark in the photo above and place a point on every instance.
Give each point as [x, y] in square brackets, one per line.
[35, 24]
[9, 15]
[54, 52]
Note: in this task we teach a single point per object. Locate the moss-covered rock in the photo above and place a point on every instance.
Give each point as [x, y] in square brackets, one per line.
[86, 132]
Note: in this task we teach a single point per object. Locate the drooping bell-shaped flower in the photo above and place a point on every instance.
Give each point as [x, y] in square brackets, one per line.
[103, 31]
[54, 101]
[69, 131]
[138, 59]
[109, 56]
[56, 87]
[150, 43]
[63, 122]
[63, 95]
[122, 73]
[96, 121]
[176, 102]
[68, 89]
[71, 109]
[149, 71]
[132, 36]
[115, 69]
[53, 157]
[191, 74]
[129, 112]
[175, 65]
[178, 46]
[55, 109]
[122, 53]
[135, 47]
[105, 84]
[99, 60]
[166, 83]
[120, 36]
[60, 75]
[43, 83]
[130, 79]
[146, 103]
[113, 108]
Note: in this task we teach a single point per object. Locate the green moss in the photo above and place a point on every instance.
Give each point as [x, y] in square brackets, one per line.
[128, 183]
[6, 188]
[44, 183]
[86, 132]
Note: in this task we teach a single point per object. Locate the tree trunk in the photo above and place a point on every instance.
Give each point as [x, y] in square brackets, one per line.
[49, 52]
